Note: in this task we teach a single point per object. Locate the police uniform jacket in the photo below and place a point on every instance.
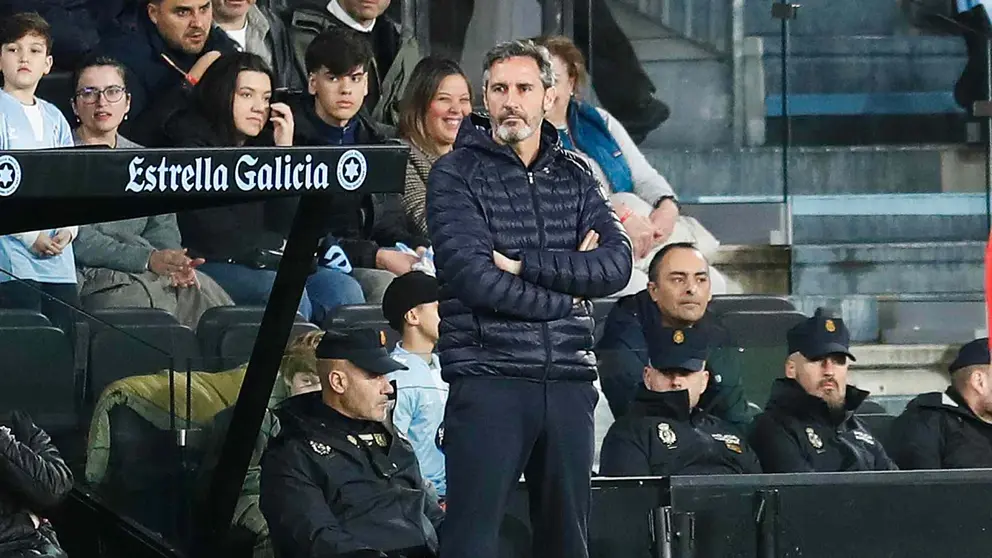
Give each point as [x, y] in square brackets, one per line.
[661, 436]
[939, 431]
[334, 486]
[799, 433]
[481, 198]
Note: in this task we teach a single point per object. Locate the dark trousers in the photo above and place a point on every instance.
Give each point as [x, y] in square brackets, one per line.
[496, 429]
[613, 58]
[59, 305]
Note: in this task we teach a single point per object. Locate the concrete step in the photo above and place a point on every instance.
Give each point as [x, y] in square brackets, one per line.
[873, 64]
[880, 269]
[755, 173]
[901, 370]
[828, 17]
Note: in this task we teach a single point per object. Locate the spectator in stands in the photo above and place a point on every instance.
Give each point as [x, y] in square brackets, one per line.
[437, 98]
[953, 429]
[74, 29]
[135, 262]
[37, 268]
[410, 307]
[338, 480]
[366, 227]
[297, 375]
[308, 18]
[242, 244]
[174, 44]
[521, 233]
[666, 432]
[641, 196]
[257, 30]
[677, 296]
[33, 480]
[809, 422]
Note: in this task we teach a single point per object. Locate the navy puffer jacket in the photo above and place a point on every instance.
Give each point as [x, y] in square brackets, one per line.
[480, 198]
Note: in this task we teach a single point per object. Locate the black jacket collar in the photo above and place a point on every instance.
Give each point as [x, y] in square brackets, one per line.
[672, 405]
[789, 398]
[308, 132]
[476, 133]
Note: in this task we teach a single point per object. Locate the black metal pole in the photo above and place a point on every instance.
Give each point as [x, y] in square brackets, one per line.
[277, 322]
[786, 11]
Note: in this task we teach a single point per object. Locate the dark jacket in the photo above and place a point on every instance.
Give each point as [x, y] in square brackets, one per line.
[480, 198]
[334, 486]
[623, 354]
[230, 233]
[158, 90]
[939, 431]
[33, 479]
[360, 223]
[798, 433]
[305, 19]
[661, 436]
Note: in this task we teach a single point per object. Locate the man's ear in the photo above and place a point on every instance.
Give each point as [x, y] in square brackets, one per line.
[706, 380]
[550, 94]
[153, 12]
[412, 317]
[338, 381]
[790, 367]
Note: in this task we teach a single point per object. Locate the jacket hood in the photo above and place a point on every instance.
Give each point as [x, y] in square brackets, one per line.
[476, 132]
[789, 398]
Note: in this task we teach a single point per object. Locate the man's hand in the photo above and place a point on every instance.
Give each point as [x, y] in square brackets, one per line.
[394, 261]
[664, 218]
[186, 277]
[642, 234]
[201, 65]
[45, 246]
[506, 264]
[588, 244]
[167, 262]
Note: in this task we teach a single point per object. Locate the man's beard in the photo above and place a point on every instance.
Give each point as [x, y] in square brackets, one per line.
[835, 399]
[517, 134]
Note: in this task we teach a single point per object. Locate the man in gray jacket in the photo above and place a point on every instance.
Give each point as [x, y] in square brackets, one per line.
[141, 263]
[259, 31]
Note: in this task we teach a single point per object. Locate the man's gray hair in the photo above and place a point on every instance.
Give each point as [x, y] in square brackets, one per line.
[513, 49]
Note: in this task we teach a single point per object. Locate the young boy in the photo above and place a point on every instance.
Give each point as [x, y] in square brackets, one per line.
[410, 307]
[39, 259]
[337, 64]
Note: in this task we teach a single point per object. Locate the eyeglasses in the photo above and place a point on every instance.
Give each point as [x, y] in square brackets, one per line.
[90, 95]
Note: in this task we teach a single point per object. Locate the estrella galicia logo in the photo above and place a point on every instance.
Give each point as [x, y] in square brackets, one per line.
[352, 169]
[10, 175]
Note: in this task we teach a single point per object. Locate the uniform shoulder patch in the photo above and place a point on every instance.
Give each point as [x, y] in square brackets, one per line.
[732, 442]
[862, 436]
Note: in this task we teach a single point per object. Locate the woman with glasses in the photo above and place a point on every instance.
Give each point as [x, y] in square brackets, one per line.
[135, 263]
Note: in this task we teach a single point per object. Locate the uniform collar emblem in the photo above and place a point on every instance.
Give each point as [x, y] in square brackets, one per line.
[667, 435]
[814, 438]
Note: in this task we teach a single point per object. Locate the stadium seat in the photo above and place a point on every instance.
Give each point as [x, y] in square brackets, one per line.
[11, 317]
[39, 376]
[135, 316]
[879, 425]
[132, 350]
[56, 88]
[761, 335]
[361, 316]
[216, 321]
[238, 341]
[722, 304]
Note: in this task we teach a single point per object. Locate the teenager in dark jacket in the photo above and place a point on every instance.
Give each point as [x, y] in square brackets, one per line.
[367, 227]
[33, 480]
[678, 295]
[522, 233]
[666, 432]
[338, 480]
[953, 429]
[242, 243]
[173, 44]
[809, 423]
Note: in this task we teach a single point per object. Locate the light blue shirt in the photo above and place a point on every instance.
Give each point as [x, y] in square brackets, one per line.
[421, 395]
[16, 133]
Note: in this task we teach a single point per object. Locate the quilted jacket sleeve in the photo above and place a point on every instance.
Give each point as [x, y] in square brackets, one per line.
[463, 254]
[596, 273]
[31, 466]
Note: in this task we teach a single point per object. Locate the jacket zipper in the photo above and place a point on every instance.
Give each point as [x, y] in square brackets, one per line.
[543, 245]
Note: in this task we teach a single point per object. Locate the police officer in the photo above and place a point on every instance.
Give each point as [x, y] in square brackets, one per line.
[809, 422]
[953, 429]
[665, 432]
[338, 480]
